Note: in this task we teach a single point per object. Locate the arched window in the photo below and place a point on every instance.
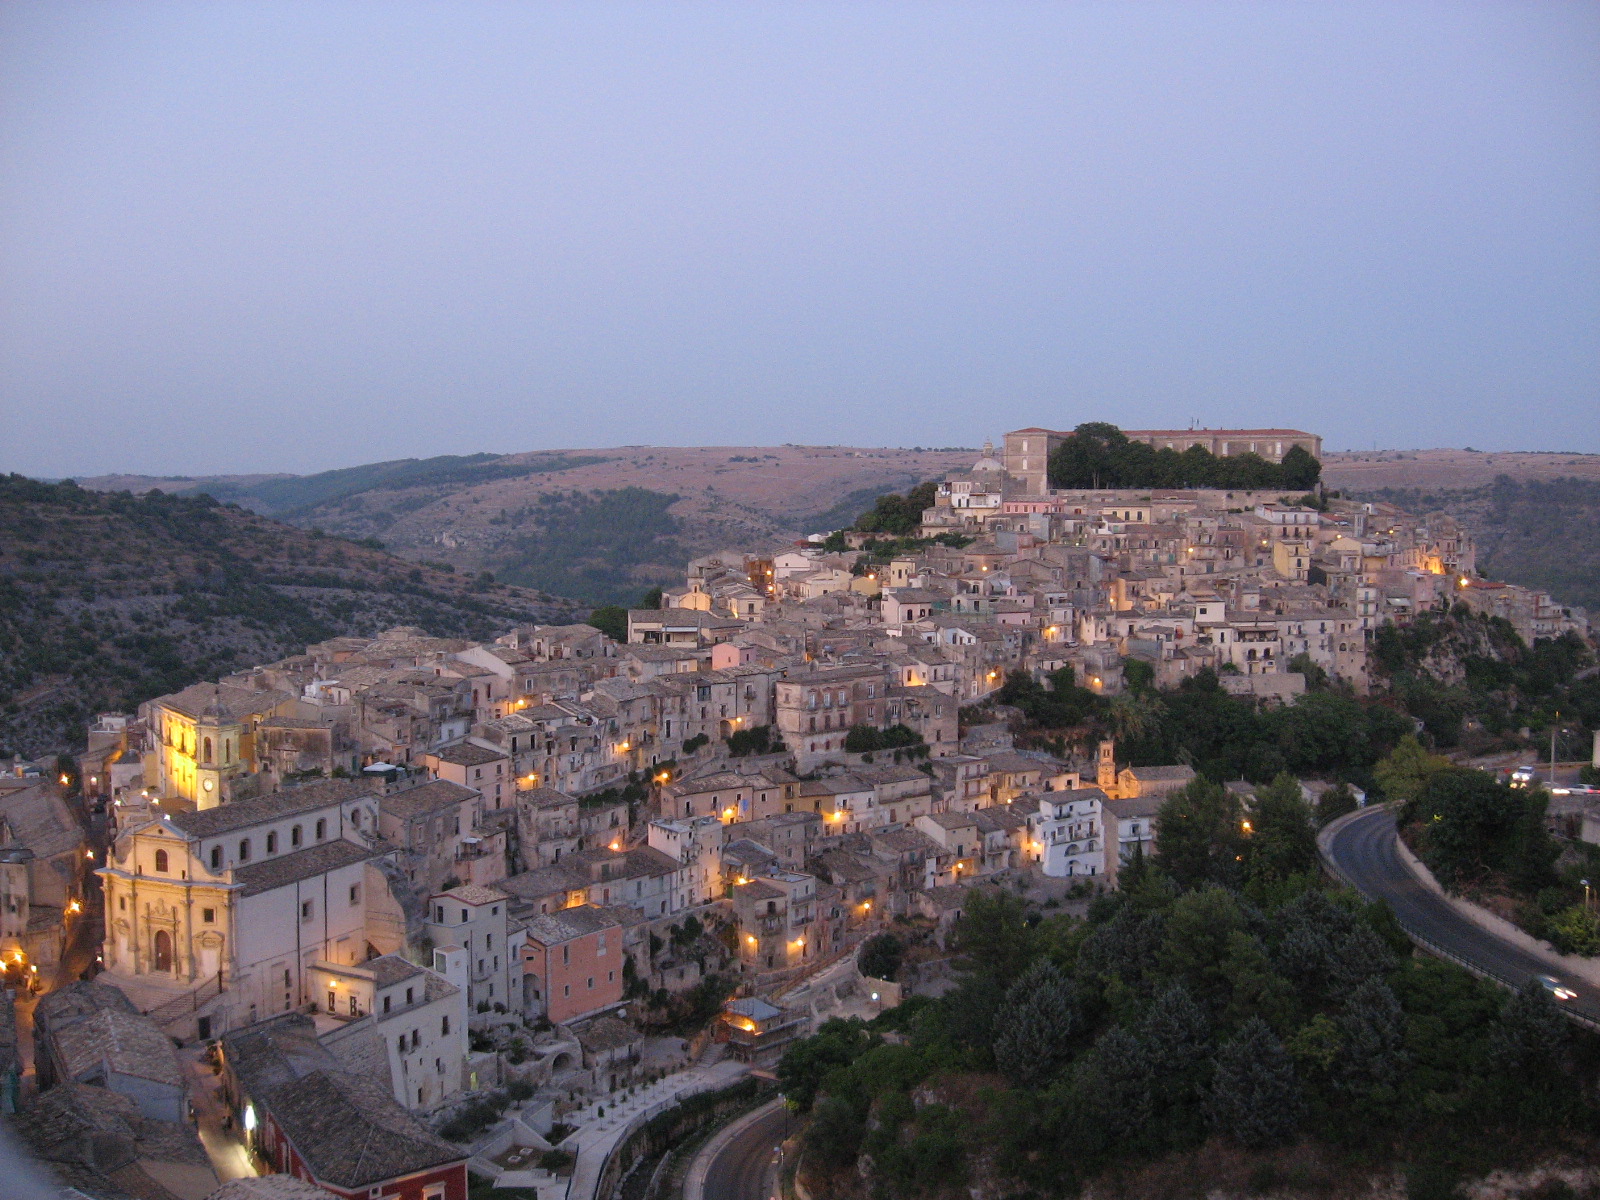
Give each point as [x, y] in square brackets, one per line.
[355, 817]
[227, 750]
[216, 858]
[272, 843]
[244, 850]
[163, 950]
[161, 860]
[205, 750]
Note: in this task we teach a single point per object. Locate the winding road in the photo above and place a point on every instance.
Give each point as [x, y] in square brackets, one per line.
[745, 1167]
[1363, 851]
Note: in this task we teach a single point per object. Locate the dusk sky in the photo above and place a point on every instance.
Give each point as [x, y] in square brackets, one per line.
[286, 237]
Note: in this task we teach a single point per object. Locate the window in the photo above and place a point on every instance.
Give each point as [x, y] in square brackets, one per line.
[216, 858]
[355, 894]
[294, 836]
[387, 1000]
[272, 843]
[333, 1001]
[322, 830]
[306, 910]
[438, 914]
[205, 750]
[208, 916]
[410, 993]
[244, 850]
[161, 860]
[591, 983]
[444, 1025]
[566, 956]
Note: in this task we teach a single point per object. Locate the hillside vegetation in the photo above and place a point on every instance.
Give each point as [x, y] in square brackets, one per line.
[108, 599]
[604, 526]
[1226, 1027]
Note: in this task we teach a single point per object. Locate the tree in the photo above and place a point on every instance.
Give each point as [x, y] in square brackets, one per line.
[1325, 949]
[611, 620]
[993, 935]
[1199, 834]
[1177, 1040]
[1335, 803]
[1194, 950]
[1034, 1029]
[1085, 457]
[833, 1138]
[1372, 1037]
[880, 956]
[1254, 987]
[807, 1063]
[1529, 1054]
[1113, 1090]
[1469, 824]
[1282, 841]
[1406, 770]
[1255, 1095]
[1300, 469]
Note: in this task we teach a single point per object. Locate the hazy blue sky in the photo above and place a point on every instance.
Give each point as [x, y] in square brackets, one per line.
[251, 236]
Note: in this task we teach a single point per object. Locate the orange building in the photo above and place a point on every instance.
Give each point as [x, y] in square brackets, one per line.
[573, 963]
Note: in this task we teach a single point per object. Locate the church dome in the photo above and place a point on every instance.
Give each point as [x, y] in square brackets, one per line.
[988, 462]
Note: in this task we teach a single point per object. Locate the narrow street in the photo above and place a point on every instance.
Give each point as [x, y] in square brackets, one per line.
[229, 1158]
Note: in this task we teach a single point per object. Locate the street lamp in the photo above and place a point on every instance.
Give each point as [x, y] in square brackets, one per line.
[1585, 883]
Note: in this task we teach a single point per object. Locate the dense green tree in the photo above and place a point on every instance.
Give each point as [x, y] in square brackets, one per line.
[993, 934]
[1035, 1028]
[1334, 803]
[1194, 950]
[837, 1043]
[611, 620]
[1529, 1051]
[1406, 770]
[1255, 1095]
[1326, 950]
[880, 956]
[1113, 1089]
[1176, 1035]
[1282, 841]
[833, 1136]
[1301, 470]
[1200, 835]
[1469, 824]
[1255, 988]
[1372, 1062]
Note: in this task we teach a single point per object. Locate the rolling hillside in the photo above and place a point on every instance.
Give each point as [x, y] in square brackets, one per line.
[605, 525]
[601, 526]
[107, 599]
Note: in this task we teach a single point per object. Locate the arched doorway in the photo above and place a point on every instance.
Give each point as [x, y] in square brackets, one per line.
[163, 951]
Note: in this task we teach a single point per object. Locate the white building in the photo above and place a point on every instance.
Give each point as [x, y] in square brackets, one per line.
[1066, 836]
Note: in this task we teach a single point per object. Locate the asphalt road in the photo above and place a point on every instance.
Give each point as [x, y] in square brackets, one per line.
[744, 1168]
[1364, 850]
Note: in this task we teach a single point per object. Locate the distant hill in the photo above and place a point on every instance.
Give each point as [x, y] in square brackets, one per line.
[605, 525]
[598, 525]
[107, 599]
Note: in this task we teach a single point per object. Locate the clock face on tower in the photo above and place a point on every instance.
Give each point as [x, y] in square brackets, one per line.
[208, 785]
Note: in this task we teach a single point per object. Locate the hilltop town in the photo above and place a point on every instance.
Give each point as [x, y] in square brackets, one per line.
[462, 897]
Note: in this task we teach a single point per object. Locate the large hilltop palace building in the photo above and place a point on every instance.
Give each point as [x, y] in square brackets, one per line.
[1027, 451]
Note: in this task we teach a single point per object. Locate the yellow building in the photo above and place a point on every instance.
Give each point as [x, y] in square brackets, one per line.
[205, 739]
